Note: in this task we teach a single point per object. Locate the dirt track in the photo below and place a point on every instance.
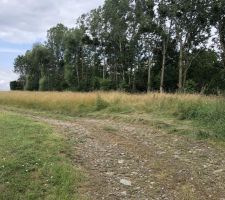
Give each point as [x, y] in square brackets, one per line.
[131, 161]
[134, 161]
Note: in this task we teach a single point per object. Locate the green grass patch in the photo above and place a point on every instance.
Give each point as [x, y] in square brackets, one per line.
[33, 162]
[110, 129]
[207, 114]
[101, 104]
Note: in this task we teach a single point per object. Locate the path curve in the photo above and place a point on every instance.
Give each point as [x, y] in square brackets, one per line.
[131, 161]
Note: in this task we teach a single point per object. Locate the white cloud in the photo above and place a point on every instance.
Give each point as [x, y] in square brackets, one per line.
[2, 82]
[11, 50]
[5, 78]
[27, 21]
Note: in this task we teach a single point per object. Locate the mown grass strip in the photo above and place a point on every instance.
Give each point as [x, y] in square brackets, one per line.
[32, 165]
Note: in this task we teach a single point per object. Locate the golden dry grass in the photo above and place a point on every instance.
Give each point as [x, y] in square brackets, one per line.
[208, 110]
[73, 102]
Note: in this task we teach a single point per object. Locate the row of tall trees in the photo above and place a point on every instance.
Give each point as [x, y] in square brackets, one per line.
[133, 45]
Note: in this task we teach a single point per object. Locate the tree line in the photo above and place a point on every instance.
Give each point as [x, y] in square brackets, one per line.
[134, 46]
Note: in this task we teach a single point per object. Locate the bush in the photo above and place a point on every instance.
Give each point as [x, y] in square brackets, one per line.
[190, 86]
[95, 83]
[69, 75]
[43, 84]
[16, 85]
[32, 83]
[106, 84]
[124, 86]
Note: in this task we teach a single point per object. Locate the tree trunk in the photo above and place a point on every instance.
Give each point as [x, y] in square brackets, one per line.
[104, 69]
[134, 81]
[116, 75]
[130, 76]
[163, 67]
[180, 83]
[203, 89]
[185, 77]
[149, 76]
[121, 60]
[222, 40]
[77, 71]
[116, 78]
[78, 78]
[82, 63]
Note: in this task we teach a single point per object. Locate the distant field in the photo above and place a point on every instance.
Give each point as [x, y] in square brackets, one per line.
[208, 112]
[31, 165]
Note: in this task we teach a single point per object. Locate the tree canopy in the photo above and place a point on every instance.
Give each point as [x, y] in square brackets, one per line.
[134, 46]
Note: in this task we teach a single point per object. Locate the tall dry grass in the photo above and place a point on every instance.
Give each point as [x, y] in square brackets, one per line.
[207, 110]
[70, 102]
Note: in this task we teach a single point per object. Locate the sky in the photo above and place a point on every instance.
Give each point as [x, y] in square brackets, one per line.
[23, 23]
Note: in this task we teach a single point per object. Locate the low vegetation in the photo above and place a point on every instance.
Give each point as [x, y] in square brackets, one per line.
[32, 162]
[207, 112]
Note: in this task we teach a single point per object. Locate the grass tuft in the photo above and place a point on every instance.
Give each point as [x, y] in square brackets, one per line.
[101, 104]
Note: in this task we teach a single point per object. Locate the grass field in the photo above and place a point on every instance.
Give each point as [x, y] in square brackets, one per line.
[203, 111]
[32, 165]
[38, 162]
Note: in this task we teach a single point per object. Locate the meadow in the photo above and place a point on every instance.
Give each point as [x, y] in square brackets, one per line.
[207, 113]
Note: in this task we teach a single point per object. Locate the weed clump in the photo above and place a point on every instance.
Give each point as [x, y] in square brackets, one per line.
[101, 104]
[202, 135]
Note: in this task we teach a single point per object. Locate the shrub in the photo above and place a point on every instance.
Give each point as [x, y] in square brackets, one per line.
[190, 86]
[124, 86]
[32, 83]
[16, 85]
[43, 84]
[106, 84]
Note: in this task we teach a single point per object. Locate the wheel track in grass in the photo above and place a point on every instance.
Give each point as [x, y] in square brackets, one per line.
[134, 161]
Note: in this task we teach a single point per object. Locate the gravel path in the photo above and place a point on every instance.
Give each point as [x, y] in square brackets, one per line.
[130, 161]
[133, 161]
